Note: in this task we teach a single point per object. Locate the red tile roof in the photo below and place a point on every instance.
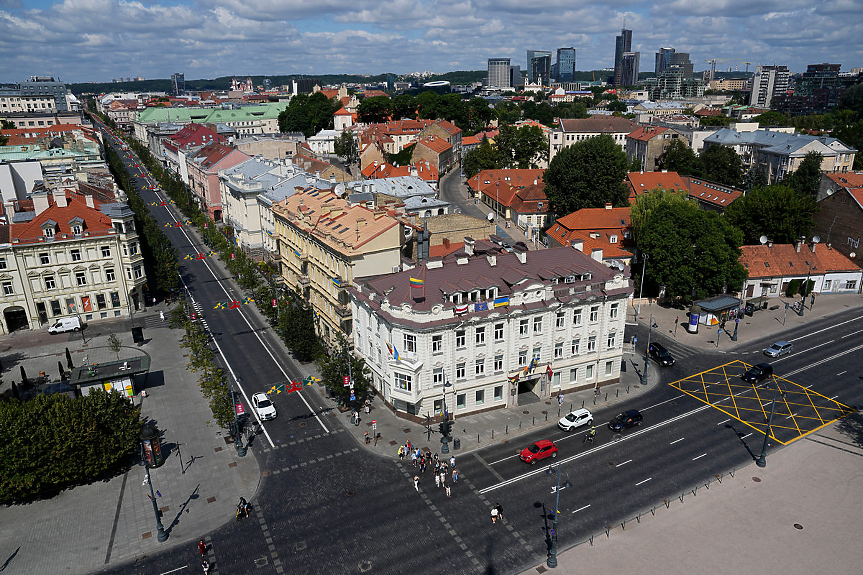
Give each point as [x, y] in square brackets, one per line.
[645, 133]
[342, 112]
[435, 144]
[95, 221]
[385, 170]
[451, 128]
[844, 180]
[476, 139]
[210, 155]
[643, 182]
[373, 93]
[611, 221]
[530, 199]
[193, 135]
[23, 136]
[711, 193]
[781, 260]
[489, 178]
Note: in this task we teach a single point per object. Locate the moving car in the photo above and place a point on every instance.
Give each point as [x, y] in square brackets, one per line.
[575, 419]
[779, 348]
[660, 354]
[65, 324]
[758, 373]
[625, 420]
[265, 408]
[538, 451]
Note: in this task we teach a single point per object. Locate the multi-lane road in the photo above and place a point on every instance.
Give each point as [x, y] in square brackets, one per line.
[326, 505]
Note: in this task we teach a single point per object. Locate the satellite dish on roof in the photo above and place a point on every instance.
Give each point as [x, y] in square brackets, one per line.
[763, 240]
[490, 216]
[815, 239]
[340, 189]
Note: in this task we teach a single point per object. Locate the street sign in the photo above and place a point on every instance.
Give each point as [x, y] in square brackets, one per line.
[353, 397]
[240, 410]
[374, 422]
[347, 381]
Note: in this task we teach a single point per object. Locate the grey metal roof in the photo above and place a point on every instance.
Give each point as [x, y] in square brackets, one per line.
[423, 202]
[116, 210]
[400, 187]
[719, 303]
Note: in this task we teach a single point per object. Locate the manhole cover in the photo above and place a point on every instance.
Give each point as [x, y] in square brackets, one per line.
[526, 412]
[756, 479]
[365, 566]
[543, 412]
[349, 493]
[300, 546]
[798, 526]
[302, 424]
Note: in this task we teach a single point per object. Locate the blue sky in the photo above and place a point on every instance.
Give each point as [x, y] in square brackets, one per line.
[97, 40]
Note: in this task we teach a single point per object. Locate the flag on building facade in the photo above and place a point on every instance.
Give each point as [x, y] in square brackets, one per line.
[501, 301]
[417, 283]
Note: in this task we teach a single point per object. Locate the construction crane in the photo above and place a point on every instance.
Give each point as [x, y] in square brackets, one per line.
[713, 62]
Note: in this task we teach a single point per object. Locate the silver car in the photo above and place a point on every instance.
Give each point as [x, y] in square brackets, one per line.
[779, 348]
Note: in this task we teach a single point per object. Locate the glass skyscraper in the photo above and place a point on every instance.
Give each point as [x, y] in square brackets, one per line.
[565, 64]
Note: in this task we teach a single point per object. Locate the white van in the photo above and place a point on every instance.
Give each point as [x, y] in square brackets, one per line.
[65, 324]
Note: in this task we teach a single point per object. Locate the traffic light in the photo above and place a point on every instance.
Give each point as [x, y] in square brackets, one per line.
[442, 428]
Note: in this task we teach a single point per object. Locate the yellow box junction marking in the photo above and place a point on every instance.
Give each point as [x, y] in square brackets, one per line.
[800, 412]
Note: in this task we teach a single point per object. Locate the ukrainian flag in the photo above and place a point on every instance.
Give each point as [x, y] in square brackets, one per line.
[417, 283]
[337, 282]
[501, 301]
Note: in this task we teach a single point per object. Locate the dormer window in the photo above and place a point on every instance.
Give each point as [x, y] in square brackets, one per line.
[49, 232]
[76, 229]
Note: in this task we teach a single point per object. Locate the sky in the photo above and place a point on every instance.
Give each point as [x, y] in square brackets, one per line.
[98, 40]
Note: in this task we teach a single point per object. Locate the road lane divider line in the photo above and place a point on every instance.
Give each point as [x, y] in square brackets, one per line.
[624, 463]
[725, 421]
[662, 402]
[826, 328]
[676, 441]
[852, 333]
[699, 457]
[825, 360]
[747, 435]
[645, 481]
[581, 508]
[595, 449]
[841, 372]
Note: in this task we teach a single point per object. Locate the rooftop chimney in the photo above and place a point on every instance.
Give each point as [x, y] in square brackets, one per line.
[596, 253]
[607, 206]
[40, 202]
[797, 245]
[578, 245]
[89, 199]
[60, 199]
[468, 245]
[520, 253]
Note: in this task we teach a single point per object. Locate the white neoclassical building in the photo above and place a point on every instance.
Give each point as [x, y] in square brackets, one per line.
[498, 328]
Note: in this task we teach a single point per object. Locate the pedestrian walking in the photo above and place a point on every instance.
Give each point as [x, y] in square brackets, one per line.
[414, 458]
[454, 475]
[499, 508]
[596, 391]
[443, 476]
[494, 514]
[154, 301]
[417, 483]
[448, 491]
[409, 444]
[202, 547]
[559, 399]
[422, 464]
[437, 480]
[368, 406]
[452, 461]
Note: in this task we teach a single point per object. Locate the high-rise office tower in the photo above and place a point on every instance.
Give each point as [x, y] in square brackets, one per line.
[538, 66]
[499, 72]
[769, 81]
[622, 45]
[668, 58]
[629, 69]
[565, 65]
[663, 60]
[178, 81]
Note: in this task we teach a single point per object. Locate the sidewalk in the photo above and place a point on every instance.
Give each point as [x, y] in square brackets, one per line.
[762, 324]
[497, 426]
[799, 515]
[113, 521]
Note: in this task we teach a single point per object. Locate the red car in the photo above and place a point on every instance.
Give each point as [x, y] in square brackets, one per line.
[537, 451]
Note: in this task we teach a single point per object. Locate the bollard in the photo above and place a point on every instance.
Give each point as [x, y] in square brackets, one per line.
[594, 400]
[477, 437]
[507, 429]
[558, 413]
[492, 433]
[582, 404]
[546, 414]
[606, 396]
[519, 424]
[534, 420]
[627, 389]
[617, 393]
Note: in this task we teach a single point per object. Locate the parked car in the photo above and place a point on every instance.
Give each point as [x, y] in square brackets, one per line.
[538, 451]
[660, 354]
[65, 324]
[575, 419]
[625, 420]
[779, 348]
[758, 373]
[265, 408]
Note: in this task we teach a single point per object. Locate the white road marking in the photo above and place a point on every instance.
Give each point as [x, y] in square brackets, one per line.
[834, 397]
[595, 449]
[175, 570]
[826, 328]
[745, 436]
[675, 441]
[721, 422]
[841, 372]
[661, 402]
[645, 481]
[825, 360]
[699, 457]
[624, 463]
[581, 508]
[852, 333]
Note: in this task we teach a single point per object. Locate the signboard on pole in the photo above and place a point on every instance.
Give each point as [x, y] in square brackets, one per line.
[347, 381]
[240, 410]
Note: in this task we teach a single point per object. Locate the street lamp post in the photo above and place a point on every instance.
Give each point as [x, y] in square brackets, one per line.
[241, 449]
[762, 459]
[444, 440]
[161, 536]
[552, 554]
[647, 353]
[641, 286]
[815, 240]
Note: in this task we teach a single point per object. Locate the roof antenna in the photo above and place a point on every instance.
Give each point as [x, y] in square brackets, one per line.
[624, 23]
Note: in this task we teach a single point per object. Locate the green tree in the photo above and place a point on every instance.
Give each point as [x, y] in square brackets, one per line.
[334, 367]
[298, 328]
[616, 106]
[375, 110]
[754, 178]
[524, 147]
[480, 114]
[635, 164]
[691, 250]
[483, 157]
[778, 212]
[722, 165]
[678, 157]
[719, 121]
[114, 344]
[771, 119]
[806, 179]
[587, 174]
[641, 212]
[507, 112]
[308, 114]
[7, 125]
[404, 106]
[346, 147]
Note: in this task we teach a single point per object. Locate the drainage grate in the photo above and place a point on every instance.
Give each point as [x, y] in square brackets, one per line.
[365, 566]
[798, 526]
[303, 424]
[349, 493]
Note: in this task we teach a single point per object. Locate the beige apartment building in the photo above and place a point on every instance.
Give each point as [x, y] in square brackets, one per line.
[324, 243]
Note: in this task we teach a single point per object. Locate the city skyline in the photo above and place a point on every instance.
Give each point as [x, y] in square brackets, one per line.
[100, 40]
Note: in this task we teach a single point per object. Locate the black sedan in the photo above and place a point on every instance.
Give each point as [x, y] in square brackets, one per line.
[758, 373]
[660, 355]
[625, 420]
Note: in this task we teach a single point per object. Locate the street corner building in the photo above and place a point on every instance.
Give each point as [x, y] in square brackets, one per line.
[491, 329]
[68, 254]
